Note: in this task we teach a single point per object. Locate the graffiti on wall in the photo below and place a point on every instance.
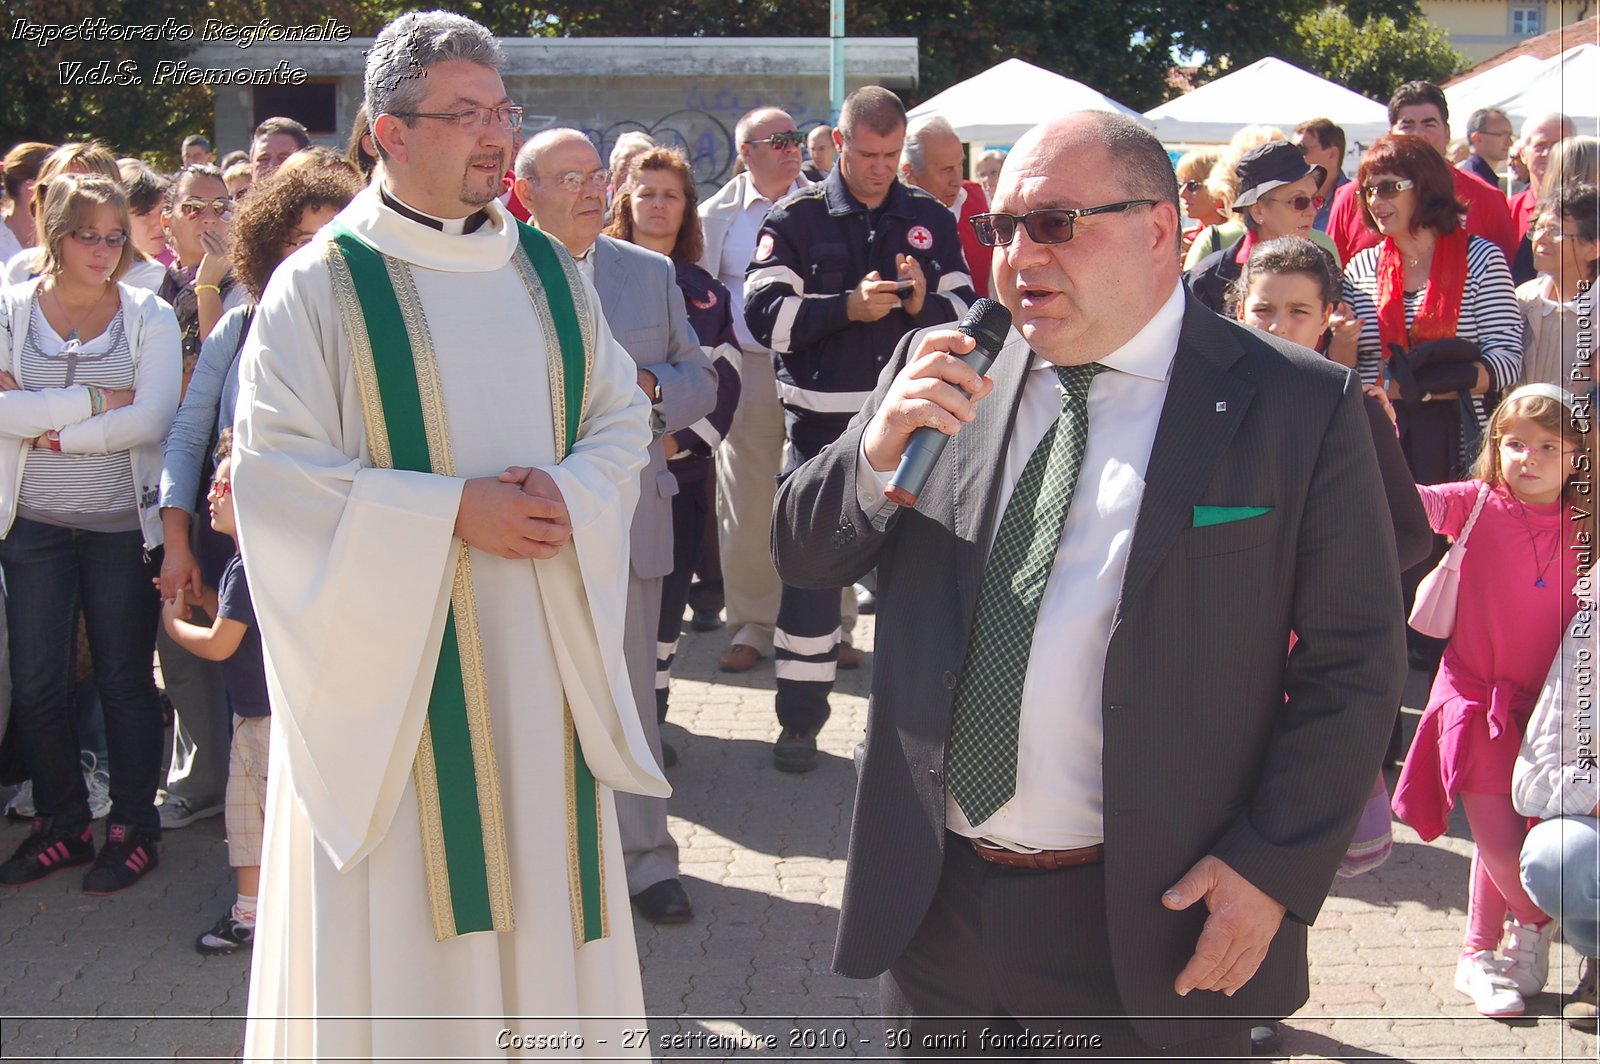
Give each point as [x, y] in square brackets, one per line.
[703, 129]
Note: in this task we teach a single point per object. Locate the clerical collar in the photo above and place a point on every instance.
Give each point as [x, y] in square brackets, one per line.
[454, 226]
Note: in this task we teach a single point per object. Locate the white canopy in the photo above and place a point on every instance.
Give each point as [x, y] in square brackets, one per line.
[1267, 92]
[1005, 101]
[1481, 89]
[1565, 83]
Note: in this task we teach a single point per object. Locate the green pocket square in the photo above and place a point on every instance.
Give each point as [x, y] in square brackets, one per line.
[1220, 515]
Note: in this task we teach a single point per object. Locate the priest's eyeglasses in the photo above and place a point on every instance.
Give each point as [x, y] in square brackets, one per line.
[1050, 225]
[509, 115]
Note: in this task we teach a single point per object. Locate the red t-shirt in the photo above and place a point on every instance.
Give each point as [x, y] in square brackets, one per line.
[1524, 205]
[979, 258]
[1487, 216]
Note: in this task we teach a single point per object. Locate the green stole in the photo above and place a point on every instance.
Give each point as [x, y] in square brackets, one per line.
[456, 773]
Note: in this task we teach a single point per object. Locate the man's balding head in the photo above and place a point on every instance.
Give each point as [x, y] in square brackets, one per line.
[562, 182]
[1539, 136]
[1079, 300]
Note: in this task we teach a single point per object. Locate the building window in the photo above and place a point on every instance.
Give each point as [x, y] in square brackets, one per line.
[1527, 21]
[311, 104]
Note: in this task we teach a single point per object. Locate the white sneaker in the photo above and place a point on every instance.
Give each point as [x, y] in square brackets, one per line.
[20, 807]
[99, 782]
[1481, 976]
[1527, 955]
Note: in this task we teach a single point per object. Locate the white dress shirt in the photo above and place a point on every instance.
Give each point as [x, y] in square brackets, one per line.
[1058, 802]
[739, 248]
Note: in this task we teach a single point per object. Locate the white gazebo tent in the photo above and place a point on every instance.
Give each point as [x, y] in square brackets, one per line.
[1010, 98]
[1267, 92]
[1482, 90]
[1565, 83]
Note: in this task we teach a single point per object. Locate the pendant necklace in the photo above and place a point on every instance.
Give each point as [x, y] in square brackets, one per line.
[72, 336]
[1533, 547]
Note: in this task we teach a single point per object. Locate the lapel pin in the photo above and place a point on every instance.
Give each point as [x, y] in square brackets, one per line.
[1222, 408]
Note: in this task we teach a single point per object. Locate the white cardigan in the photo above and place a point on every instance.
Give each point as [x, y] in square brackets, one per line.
[138, 428]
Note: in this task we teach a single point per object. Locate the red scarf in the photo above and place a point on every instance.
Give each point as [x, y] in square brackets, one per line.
[1440, 312]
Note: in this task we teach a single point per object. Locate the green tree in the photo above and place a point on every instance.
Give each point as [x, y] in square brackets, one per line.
[1374, 55]
[40, 101]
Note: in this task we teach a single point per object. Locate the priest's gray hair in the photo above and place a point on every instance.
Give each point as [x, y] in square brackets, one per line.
[397, 64]
[914, 153]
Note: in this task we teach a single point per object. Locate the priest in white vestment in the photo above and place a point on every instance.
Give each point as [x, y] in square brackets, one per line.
[356, 567]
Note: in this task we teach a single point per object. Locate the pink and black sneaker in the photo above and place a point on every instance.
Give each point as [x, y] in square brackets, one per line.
[125, 858]
[46, 850]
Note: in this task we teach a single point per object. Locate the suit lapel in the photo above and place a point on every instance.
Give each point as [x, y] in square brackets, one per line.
[1204, 406]
[977, 456]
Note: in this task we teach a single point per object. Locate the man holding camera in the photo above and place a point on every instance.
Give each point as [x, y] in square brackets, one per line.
[842, 271]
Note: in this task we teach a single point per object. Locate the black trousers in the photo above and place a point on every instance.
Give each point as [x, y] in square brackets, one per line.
[694, 510]
[1014, 964]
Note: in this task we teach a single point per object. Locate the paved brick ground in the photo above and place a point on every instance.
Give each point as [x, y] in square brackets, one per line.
[763, 858]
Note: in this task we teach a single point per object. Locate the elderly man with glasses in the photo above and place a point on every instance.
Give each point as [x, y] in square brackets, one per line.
[561, 179]
[436, 464]
[1088, 817]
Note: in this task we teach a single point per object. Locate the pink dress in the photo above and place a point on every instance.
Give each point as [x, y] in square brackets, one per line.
[1508, 629]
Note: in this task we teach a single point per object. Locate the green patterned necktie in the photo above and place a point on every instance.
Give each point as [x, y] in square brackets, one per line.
[982, 759]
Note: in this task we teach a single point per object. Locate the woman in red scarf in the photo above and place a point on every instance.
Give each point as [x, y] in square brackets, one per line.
[1438, 310]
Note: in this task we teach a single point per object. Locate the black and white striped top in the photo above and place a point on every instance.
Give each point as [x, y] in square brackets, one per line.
[89, 491]
[1490, 316]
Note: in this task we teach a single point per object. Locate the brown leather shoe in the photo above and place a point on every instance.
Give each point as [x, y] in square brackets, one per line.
[739, 657]
[849, 657]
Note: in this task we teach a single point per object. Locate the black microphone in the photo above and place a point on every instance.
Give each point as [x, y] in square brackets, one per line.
[987, 322]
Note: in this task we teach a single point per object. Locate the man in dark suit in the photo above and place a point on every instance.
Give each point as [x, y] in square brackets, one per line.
[561, 179]
[1140, 791]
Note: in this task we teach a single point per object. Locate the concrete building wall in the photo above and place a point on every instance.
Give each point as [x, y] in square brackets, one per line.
[687, 92]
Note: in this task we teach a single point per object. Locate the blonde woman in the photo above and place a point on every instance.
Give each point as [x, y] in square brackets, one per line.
[89, 373]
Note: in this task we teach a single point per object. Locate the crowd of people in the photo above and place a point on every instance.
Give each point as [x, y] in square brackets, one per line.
[166, 337]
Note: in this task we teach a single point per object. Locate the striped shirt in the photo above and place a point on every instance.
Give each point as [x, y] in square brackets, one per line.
[88, 491]
[1490, 316]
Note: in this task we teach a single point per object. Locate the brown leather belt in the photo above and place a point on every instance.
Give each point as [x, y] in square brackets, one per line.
[1043, 861]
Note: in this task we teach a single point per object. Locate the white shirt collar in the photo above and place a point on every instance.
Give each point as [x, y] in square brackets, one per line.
[961, 199]
[1149, 352]
[752, 195]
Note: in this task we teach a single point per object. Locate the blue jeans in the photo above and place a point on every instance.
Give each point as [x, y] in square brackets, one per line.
[51, 572]
[1561, 870]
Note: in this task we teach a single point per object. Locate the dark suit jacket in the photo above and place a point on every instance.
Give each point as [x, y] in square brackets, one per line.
[643, 306]
[1202, 753]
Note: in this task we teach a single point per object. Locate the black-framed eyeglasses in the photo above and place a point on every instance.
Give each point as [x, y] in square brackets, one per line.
[1387, 189]
[509, 115]
[1049, 225]
[792, 138]
[94, 240]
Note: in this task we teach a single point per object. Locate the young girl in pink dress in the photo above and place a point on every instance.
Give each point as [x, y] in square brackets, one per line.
[1516, 598]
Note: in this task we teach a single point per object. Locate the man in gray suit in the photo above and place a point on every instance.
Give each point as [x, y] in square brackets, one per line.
[562, 181]
[1095, 777]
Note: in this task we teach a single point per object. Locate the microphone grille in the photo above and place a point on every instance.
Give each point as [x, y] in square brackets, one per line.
[987, 322]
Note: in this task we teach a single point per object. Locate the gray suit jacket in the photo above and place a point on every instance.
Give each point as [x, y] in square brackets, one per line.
[1202, 752]
[643, 305]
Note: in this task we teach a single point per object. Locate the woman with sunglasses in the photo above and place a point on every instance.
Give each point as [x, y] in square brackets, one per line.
[89, 374]
[1277, 198]
[656, 210]
[1440, 317]
[1199, 205]
[199, 284]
